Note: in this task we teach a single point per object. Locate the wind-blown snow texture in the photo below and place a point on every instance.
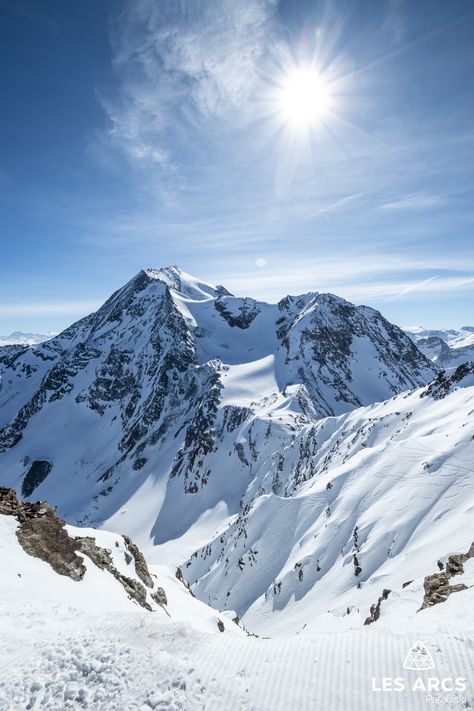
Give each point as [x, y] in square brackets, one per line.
[294, 460]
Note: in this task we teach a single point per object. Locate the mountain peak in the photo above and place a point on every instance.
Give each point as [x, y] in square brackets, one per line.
[184, 284]
[171, 271]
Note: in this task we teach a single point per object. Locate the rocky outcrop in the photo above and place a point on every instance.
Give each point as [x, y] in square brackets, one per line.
[102, 557]
[42, 534]
[375, 609]
[438, 586]
[159, 596]
[141, 567]
[237, 312]
[443, 384]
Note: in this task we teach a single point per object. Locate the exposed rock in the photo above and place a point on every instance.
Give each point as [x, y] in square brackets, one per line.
[179, 576]
[375, 609]
[220, 626]
[42, 534]
[438, 587]
[141, 567]
[159, 596]
[443, 384]
[36, 474]
[102, 557]
[237, 312]
[357, 568]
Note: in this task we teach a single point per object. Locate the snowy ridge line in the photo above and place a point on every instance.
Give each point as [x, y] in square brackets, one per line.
[281, 455]
[353, 503]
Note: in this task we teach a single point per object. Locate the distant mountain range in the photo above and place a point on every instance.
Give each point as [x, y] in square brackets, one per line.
[447, 349]
[293, 460]
[25, 339]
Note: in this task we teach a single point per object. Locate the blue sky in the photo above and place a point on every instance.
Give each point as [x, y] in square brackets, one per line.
[145, 133]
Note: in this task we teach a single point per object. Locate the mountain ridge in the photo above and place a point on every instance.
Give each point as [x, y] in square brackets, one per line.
[183, 415]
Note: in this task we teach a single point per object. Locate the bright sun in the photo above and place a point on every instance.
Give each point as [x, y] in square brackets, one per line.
[303, 98]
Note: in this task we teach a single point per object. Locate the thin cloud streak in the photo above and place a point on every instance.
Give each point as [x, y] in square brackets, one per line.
[414, 202]
[413, 287]
[277, 283]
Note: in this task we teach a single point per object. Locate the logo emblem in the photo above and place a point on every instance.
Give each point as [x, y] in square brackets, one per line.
[419, 658]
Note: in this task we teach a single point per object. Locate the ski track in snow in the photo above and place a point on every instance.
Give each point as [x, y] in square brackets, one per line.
[127, 666]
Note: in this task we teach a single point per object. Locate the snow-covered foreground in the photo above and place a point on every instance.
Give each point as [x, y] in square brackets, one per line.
[135, 663]
[84, 645]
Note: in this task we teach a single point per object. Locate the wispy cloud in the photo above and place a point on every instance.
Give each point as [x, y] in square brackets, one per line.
[180, 63]
[418, 201]
[370, 278]
[337, 204]
[416, 286]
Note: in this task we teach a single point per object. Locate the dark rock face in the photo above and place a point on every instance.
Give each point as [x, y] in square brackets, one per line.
[237, 312]
[37, 473]
[200, 436]
[436, 346]
[375, 609]
[322, 334]
[438, 586]
[42, 534]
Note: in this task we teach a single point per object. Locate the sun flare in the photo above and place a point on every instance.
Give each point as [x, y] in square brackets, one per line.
[303, 98]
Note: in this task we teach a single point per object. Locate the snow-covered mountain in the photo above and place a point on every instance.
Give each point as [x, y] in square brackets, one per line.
[371, 499]
[157, 384]
[447, 349]
[209, 425]
[25, 339]
[302, 465]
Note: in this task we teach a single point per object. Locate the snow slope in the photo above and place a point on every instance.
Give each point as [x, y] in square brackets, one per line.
[83, 645]
[360, 502]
